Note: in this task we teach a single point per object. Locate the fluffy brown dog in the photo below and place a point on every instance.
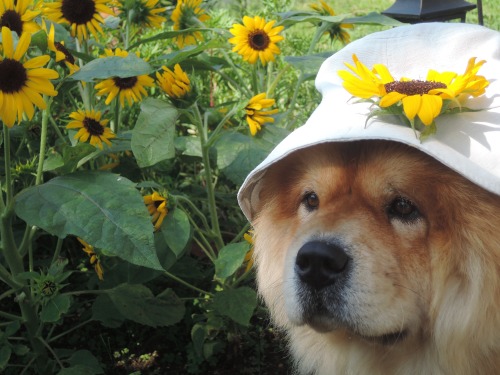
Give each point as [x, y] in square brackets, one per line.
[377, 259]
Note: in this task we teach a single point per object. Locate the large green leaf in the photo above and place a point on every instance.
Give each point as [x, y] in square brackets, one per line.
[230, 258]
[154, 132]
[136, 302]
[104, 209]
[237, 304]
[55, 308]
[112, 66]
[373, 18]
[238, 154]
[176, 230]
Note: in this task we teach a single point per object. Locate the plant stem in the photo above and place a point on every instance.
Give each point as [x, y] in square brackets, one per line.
[186, 284]
[57, 250]
[51, 352]
[55, 338]
[8, 175]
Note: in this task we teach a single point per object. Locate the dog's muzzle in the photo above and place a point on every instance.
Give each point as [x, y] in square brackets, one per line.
[320, 264]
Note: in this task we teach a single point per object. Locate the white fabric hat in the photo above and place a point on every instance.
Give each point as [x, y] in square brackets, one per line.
[467, 142]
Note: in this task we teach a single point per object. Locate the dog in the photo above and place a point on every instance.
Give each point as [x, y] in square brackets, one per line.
[374, 258]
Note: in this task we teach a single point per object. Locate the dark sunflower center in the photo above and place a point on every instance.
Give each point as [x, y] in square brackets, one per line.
[157, 203]
[67, 55]
[414, 87]
[13, 76]
[259, 40]
[125, 83]
[12, 20]
[78, 11]
[94, 127]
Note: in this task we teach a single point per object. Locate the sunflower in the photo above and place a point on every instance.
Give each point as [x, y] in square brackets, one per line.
[256, 39]
[175, 83]
[21, 84]
[422, 99]
[91, 126]
[157, 207]
[255, 115]
[130, 88]
[18, 17]
[83, 16]
[249, 255]
[62, 54]
[94, 258]
[143, 12]
[336, 30]
[187, 14]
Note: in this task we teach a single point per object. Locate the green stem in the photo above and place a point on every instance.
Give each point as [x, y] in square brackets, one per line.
[10, 316]
[60, 135]
[236, 70]
[46, 344]
[55, 338]
[116, 122]
[8, 175]
[43, 140]
[212, 206]
[186, 284]
[57, 250]
[220, 125]
[7, 294]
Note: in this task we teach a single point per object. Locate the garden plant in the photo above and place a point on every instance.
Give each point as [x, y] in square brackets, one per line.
[127, 128]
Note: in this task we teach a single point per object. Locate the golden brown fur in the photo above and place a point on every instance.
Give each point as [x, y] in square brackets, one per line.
[434, 278]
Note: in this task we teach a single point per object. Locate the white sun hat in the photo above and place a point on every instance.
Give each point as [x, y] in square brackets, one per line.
[467, 142]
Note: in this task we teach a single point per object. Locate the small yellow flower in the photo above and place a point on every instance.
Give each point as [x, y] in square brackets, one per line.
[62, 54]
[256, 116]
[256, 39]
[336, 31]
[94, 258]
[157, 207]
[418, 98]
[188, 14]
[249, 255]
[130, 88]
[83, 16]
[91, 126]
[22, 83]
[175, 83]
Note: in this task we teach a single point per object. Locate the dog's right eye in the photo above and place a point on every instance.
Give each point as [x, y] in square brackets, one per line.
[311, 201]
[403, 209]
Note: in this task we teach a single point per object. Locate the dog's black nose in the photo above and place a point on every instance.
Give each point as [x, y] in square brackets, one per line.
[319, 263]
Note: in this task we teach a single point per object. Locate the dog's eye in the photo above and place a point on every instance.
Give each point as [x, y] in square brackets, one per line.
[403, 209]
[311, 201]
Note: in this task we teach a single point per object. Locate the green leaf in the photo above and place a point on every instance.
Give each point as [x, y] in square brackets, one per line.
[104, 209]
[230, 258]
[373, 18]
[176, 230]
[86, 360]
[104, 311]
[78, 370]
[112, 66]
[188, 145]
[136, 302]
[12, 328]
[55, 308]
[237, 304]
[309, 65]
[238, 154]
[154, 132]
[5, 352]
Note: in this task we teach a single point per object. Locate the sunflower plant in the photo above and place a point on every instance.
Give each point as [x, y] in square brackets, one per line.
[127, 127]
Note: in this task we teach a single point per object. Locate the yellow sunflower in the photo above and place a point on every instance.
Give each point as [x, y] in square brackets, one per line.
[175, 83]
[18, 17]
[130, 88]
[249, 255]
[256, 39]
[22, 83]
[143, 12]
[83, 16]
[256, 116]
[187, 14]
[336, 31]
[62, 53]
[91, 126]
[157, 207]
[94, 258]
[418, 98]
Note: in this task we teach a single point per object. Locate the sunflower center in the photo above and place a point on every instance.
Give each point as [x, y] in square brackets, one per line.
[93, 126]
[67, 55]
[413, 87]
[157, 204]
[78, 11]
[125, 83]
[258, 40]
[13, 21]
[13, 76]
